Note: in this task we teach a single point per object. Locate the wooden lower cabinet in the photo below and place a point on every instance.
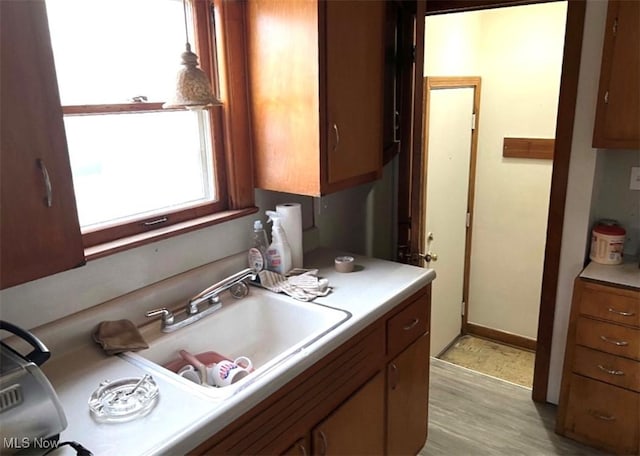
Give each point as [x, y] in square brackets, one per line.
[408, 399]
[361, 415]
[300, 448]
[362, 398]
[600, 395]
[607, 415]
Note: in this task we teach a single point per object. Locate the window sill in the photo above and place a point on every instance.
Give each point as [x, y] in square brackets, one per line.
[120, 245]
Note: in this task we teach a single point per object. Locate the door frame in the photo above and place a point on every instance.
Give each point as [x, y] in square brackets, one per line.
[410, 174]
[453, 82]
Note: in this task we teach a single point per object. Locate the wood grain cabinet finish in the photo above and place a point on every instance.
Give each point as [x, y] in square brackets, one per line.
[301, 447]
[407, 325]
[356, 400]
[39, 228]
[608, 368]
[316, 82]
[607, 415]
[600, 395]
[615, 305]
[408, 398]
[617, 124]
[361, 415]
[615, 339]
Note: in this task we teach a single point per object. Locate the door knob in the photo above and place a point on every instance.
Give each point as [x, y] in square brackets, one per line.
[429, 257]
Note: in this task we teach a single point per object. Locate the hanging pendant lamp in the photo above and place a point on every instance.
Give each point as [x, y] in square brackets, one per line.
[193, 90]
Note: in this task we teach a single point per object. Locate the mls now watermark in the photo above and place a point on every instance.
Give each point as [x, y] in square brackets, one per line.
[18, 443]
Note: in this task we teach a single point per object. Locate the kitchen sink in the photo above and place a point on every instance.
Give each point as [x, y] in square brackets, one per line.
[266, 327]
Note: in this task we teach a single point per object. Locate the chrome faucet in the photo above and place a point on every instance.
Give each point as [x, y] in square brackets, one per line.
[237, 286]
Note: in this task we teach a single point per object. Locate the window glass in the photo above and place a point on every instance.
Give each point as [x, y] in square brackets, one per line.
[134, 160]
[109, 51]
[164, 164]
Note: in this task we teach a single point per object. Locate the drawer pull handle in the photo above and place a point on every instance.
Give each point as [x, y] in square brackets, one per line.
[337, 136]
[622, 313]
[619, 343]
[303, 449]
[411, 325]
[48, 199]
[610, 371]
[601, 416]
[325, 444]
[393, 376]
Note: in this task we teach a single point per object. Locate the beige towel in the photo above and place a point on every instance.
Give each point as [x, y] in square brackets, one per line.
[119, 336]
[303, 287]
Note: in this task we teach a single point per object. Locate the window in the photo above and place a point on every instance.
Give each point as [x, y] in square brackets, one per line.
[135, 166]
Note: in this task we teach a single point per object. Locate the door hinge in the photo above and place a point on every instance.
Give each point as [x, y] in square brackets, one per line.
[473, 121]
[462, 310]
[468, 221]
[615, 26]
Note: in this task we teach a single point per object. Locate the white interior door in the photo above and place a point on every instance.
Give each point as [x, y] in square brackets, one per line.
[449, 153]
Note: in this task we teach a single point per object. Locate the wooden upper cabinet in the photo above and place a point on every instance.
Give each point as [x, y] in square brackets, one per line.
[316, 77]
[39, 228]
[617, 124]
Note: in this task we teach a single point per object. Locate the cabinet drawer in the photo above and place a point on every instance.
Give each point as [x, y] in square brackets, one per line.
[616, 305]
[604, 415]
[407, 325]
[607, 368]
[615, 339]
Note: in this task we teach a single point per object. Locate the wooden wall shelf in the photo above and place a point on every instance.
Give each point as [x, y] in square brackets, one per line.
[528, 148]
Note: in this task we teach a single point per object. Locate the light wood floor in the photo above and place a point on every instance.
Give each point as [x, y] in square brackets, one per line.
[474, 414]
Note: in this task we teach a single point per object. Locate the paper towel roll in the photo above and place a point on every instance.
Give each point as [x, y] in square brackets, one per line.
[292, 224]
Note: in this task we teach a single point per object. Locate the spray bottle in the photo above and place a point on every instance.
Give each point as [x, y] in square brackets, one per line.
[279, 252]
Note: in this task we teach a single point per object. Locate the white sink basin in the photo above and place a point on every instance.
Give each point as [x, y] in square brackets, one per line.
[266, 327]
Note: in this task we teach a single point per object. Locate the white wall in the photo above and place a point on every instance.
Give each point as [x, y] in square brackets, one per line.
[453, 44]
[518, 53]
[360, 220]
[50, 298]
[357, 220]
[268, 200]
[575, 233]
[587, 181]
[612, 198]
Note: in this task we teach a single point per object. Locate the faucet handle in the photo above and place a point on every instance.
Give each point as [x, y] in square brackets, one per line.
[167, 315]
[192, 307]
[239, 289]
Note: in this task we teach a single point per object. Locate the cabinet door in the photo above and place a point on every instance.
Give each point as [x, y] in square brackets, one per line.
[354, 90]
[604, 415]
[357, 426]
[617, 122]
[300, 448]
[408, 399]
[39, 229]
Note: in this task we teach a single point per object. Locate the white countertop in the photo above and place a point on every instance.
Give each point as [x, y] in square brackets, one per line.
[183, 418]
[626, 274]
